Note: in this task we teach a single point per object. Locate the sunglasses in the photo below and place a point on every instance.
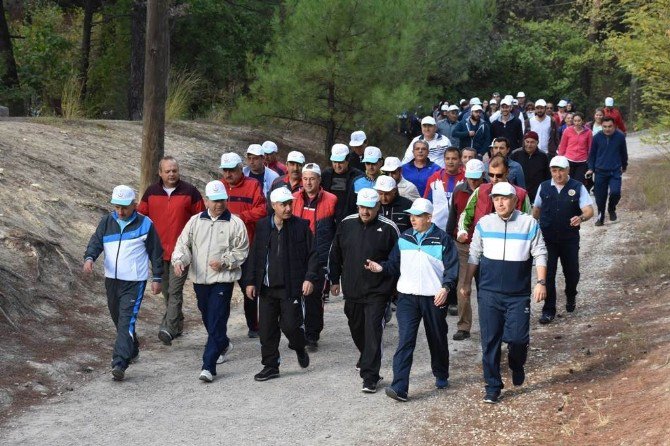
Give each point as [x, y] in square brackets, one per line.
[496, 175]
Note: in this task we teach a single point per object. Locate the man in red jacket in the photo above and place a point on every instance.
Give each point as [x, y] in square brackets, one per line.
[246, 200]
[170, 203]
[318, 207]
[613, 112]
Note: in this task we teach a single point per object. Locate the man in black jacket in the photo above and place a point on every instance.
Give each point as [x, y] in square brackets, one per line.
[534, 162]
[359, 238]
[282, 268]
[507, 125]
[393, 206]
[339, 181]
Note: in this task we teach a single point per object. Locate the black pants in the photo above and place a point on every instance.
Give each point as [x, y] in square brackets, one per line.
[250, 305]
[568, 254]
[366, 324]
[314, 311]
[123, 300]
[278, 314]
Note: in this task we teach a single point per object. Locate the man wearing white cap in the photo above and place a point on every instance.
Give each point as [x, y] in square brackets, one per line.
[359, 238]
[339, 181]
[559, 116]
[545, 127]
[293, 179]
[613, 112]
[271, 159]
[130, 243]
[503, 247]
[393, 206]
[474, 177]
[521, 102]
[393, 168]
[446, 125]
[170, 203]
[437, 142]
[373, 162]
[474, 131]
[561, 205]
[282, 267]
[215, 245]
[358, 143]
[318, 207]
[426, 262]
[256, 168]
[246, 200]
[508, 125]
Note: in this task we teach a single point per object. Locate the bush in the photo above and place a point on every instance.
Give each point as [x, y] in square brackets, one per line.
[182, 88]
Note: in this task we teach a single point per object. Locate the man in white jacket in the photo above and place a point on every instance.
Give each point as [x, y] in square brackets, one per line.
[215, 245]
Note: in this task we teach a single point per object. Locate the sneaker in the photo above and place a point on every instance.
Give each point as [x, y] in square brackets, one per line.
[612, 215]
[165, 337]
[461, 335]
[224, 356]
[570, 305]
[358, 366]
[267, 373]
[518, 376]
[252, 334]
[599, 222]
[206, 376]
[396, 395]
[371, 386]
[118, 373]
[441, 383]
[546, 319]
[492, 397]
[453, 310]
[312, 346]
[303, 358]
[135, 358]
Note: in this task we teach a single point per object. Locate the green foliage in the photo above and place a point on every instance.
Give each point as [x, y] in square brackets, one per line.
[182, 89]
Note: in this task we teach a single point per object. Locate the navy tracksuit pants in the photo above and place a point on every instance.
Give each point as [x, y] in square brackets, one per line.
[123, 300]
[607, 180]
[314, 310]
[410, 311]
[568, 253]
[214, 306]
[502, 318]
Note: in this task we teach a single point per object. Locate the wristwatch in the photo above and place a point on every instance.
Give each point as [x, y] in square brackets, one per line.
[542, 282]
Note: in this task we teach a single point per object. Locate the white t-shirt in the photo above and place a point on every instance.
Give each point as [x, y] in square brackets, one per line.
[169, 190]
[543, 130]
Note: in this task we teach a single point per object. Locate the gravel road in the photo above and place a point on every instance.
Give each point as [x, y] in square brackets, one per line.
[163, 402]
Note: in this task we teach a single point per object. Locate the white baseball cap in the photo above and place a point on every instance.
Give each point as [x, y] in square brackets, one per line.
[463, 101]
[474, 169]
[515, 102]
[281, 195]
[295, 157]
[339, 152]
[428, 120]
[391, 164]
[493, 101]
[506, 101]
[215, 190]
[367, 197]
[476, 107]
[230, 160]
[270, 147]
[521, 94]
[609, 102]
[421, 206]
[385, 183]
[444, 107]
[475, 101]
[562, 103]
[540, 103]
[505, 189]
[493, 142]
[357, 138]
[372, 154]
[560, 162]
[123, 195]
[311, 167]
[454, 108]
[255, 149]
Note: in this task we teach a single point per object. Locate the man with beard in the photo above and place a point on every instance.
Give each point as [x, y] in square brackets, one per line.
[339, 181]
[508, 126]
[546, 129]
[437, 143]
[474, 131]
[534, 162]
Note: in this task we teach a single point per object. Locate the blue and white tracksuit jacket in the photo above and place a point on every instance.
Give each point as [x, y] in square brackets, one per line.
[504, 251]
[425, 262]
[128, 250]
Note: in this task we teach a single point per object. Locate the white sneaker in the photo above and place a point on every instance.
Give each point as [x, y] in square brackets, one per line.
[224, 356]
[206, 376]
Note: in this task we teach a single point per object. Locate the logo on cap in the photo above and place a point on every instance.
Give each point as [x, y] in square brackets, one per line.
[372, 154]
[367, 197]
[215, 190]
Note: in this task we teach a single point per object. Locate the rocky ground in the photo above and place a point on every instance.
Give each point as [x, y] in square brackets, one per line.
[598, 376]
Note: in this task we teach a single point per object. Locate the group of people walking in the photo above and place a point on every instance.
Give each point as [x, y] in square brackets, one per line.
[408, 233]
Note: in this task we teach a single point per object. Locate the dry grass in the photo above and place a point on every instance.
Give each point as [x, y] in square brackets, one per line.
[183, 85]
[71, 99]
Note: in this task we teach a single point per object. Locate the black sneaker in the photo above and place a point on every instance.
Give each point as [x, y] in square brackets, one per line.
[267, 373]
[312, 346]
[398, 396]
[165, 337]
[613, 216]
[370, 386]
[518, 376]
[546, 319]
[461, 335]
[303, 358]
[252, 334]
[492, 397]
[570, 305]
[453, 310]
[118, 373]
[600, 222]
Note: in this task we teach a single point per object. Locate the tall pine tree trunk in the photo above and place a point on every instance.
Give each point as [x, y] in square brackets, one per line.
[89, 9]
[330, 124]
[10, 78]
[138, 23]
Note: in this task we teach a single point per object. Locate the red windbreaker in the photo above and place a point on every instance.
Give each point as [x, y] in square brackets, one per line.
[246, 200]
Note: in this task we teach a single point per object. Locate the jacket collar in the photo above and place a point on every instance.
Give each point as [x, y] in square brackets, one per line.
[225, 216]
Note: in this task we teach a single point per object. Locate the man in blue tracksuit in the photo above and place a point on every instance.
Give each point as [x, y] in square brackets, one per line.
[426, 260]
[503, 247]
[130, 242]
[608, 159]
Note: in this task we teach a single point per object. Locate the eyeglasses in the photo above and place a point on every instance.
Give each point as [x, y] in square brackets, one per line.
[496, 175]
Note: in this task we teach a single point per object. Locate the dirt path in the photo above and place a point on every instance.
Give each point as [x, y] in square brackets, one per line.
[162, 401]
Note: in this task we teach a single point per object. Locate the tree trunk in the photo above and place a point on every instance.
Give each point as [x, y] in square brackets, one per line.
[331, 125]
[138, 23]
[156, 67]
[89, 9]
[10, 78]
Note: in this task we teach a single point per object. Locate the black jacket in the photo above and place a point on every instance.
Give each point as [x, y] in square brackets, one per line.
[300, 261]
[535, 169]
[395, 211]
[342, 186]
[512, 130]
[354, 243]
